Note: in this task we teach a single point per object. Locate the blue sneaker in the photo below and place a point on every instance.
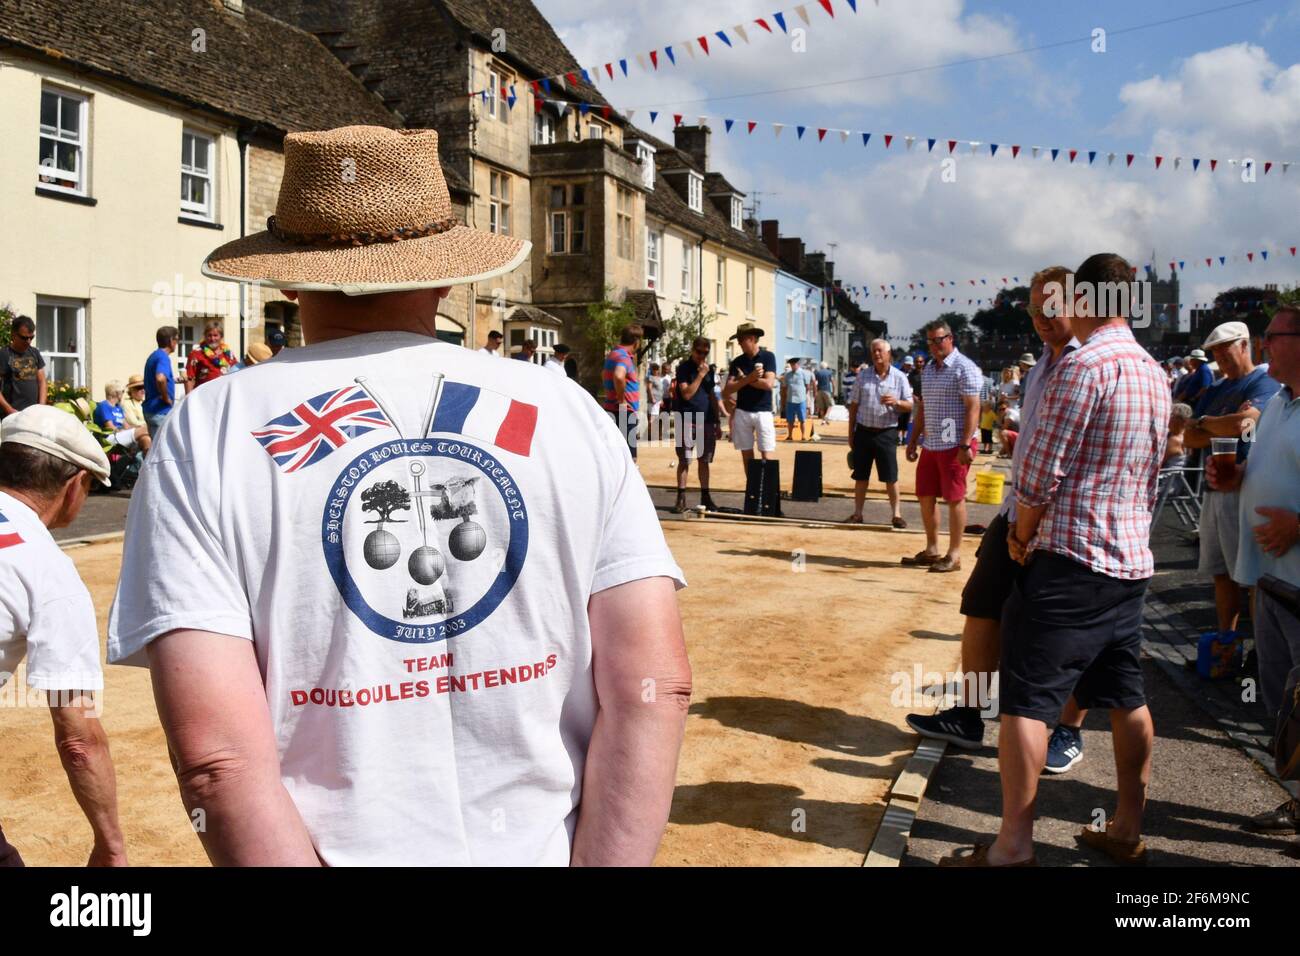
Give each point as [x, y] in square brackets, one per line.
[1064, 749]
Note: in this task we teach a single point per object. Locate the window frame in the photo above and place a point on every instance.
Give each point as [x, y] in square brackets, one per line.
[749, 291]
[543, 128]
[695, 192]
[49, 354]
[624, 223]
[646, 154]
[688, 257]
[653, 244]
[721, 284]
[81, 143]
[737, 213]
[499, 204]
[209, 213]
[493, 92]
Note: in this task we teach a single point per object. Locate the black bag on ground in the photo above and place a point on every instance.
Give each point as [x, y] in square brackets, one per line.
[763, 488]
[807, 476]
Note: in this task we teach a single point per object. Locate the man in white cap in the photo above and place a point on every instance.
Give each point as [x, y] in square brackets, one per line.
[438, 621]
[1229, 410]
[1192, 385]
[48, 461]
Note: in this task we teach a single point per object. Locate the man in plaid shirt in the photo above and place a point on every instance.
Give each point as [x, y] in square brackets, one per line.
[1084, 496]
[947, 417]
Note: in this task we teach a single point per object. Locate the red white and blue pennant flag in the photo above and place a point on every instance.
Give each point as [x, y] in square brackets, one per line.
[320, 426]
[1052, 154]
[704, 44]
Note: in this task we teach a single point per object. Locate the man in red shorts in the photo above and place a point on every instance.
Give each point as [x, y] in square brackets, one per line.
[948, 419]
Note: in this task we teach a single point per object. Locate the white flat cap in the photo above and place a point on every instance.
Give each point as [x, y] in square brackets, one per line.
[1227, 332]
[56, 433]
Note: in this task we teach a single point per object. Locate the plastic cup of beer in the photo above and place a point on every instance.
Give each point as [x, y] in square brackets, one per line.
[1223, 451]
[885, 395]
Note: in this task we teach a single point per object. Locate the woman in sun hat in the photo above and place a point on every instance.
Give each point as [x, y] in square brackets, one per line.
[317, 502]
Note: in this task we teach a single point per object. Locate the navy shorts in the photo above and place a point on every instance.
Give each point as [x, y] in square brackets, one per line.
[1068, 628]
[878, 447]
[995, 572]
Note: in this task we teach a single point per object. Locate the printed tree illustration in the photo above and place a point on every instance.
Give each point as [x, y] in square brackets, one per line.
[385, 497]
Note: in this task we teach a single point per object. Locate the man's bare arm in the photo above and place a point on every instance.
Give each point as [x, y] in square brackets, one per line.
[213, 708]
[1218, 426]
[42, 387]
[643, 683]
[83, 750]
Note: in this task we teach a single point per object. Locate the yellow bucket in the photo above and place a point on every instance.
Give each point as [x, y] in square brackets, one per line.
[988, 487]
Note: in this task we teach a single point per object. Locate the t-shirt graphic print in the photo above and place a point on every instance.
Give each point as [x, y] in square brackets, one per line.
[409, 533]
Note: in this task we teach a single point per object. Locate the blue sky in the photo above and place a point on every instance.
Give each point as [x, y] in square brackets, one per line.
[1225, 85]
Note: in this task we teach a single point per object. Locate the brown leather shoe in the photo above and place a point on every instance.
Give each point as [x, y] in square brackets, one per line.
[921, 559]
[1121, 852]
[979, 857]
[945, 565]
[899, 523]
[1283, 819]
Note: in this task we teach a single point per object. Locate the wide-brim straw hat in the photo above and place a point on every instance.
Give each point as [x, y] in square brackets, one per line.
[747, 328]
[365, 209]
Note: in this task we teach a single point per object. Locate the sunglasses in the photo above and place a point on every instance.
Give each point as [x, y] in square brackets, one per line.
[937, 339]
[23, 338]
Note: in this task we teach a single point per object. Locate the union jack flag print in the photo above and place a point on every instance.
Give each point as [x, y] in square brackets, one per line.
[320, 425]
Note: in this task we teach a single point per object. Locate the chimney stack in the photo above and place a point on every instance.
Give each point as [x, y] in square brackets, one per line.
[771, 236]
[694, 141]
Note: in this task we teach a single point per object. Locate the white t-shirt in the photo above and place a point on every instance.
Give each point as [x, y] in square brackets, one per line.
[555, 365]
[45, 610]
[418, 605]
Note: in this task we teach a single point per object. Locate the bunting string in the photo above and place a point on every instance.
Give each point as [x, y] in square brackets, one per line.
[954, 291]
[706, 44]
[1248, 168]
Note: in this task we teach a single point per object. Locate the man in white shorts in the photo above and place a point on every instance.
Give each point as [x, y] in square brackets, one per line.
[751, 379]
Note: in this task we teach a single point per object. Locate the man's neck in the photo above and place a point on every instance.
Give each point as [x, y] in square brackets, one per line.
[45, 511]
[1090, 327]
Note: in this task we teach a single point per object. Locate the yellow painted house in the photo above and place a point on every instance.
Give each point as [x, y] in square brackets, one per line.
[136, 134]
[702, 254]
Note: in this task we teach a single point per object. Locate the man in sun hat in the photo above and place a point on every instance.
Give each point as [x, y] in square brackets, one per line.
[48, 461]
[434, 591]
[1191, 387]
[751, 379]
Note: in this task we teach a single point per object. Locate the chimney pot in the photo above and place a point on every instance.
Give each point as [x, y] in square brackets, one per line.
[694, 141]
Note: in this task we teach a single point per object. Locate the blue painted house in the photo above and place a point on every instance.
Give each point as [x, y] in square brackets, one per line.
[798, 312]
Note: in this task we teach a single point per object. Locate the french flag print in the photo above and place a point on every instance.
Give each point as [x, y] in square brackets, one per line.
[8, 537]
[487, 416]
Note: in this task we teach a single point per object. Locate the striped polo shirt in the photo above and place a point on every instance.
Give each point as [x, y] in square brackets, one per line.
[617, 356]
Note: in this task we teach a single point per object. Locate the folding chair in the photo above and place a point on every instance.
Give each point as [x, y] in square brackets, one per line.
[1180, 488]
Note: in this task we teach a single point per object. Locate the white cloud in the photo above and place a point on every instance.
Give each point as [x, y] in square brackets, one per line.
[893, 218]
[1233, 100]
[877, 40]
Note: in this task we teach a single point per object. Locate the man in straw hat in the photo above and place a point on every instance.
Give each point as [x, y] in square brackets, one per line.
[751, 379]
[48, 461]
[438, 620]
